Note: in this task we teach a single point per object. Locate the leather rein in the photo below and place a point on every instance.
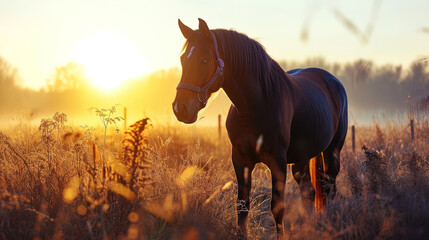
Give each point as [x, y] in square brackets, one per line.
[205, 88]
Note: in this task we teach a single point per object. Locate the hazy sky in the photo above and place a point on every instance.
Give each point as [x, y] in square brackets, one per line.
[37, 36]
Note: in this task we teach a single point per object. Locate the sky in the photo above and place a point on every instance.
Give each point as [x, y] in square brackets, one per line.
[139, 37]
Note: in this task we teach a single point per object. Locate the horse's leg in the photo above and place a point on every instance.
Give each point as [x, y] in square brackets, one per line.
[278, 180]
[331, 163]
[301, 174]
[331, 169]
[244, 180]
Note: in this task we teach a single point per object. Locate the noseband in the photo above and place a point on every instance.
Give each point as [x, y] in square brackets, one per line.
[205, 88]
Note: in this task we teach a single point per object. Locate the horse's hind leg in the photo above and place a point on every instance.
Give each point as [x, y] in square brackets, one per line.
[331, 163]
[301, 174]
[331, 168]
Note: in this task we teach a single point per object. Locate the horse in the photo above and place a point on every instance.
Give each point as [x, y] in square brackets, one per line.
[298, 117]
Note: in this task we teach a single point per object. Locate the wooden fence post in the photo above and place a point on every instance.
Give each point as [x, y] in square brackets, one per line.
[353, 138]
[219, 124]
[412, 129]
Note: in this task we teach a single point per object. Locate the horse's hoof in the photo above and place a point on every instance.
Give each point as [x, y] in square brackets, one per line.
[280, 232]
[242, 233]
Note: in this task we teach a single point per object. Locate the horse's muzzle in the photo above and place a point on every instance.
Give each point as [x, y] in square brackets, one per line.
[184, 113]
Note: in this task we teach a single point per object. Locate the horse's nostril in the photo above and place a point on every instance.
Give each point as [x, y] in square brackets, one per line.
[175, 109]
[180, 110]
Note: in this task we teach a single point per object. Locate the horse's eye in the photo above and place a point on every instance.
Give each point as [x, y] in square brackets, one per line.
[205, 61]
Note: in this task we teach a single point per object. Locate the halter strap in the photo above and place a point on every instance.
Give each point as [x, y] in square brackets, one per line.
[205, 88]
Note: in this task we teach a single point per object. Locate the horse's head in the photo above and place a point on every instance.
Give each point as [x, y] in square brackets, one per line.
[201, 72]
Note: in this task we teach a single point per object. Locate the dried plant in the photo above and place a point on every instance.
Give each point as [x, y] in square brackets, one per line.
[382, 192]
[135, 147]
[107, 118]
[375, 168]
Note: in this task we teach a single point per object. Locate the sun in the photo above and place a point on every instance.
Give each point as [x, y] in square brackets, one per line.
[108, 59]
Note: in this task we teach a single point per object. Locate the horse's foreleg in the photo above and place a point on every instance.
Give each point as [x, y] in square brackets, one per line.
[244, 180]
[278, 180]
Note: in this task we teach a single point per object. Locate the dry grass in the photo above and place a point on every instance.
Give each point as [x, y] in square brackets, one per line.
[165, 182]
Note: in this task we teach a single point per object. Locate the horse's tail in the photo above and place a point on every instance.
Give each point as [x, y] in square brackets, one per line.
[317, 163]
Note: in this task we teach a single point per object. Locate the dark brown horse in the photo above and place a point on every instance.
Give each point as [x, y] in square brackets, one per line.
[297, 117]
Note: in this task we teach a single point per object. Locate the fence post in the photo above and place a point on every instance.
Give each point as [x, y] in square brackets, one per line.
[353, 138]
[219, 124]
[125, 119]
[412, 129]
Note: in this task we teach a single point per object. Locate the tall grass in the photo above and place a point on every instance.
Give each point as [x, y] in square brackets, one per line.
[164, 182]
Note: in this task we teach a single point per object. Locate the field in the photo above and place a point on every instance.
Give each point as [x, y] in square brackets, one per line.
[174, 182]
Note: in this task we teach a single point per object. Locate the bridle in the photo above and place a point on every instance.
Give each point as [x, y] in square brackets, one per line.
[205, 88]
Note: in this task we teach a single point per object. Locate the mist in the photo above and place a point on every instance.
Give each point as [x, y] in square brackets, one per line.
[370, 88]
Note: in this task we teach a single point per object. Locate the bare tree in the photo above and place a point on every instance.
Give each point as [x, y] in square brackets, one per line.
[70, 76]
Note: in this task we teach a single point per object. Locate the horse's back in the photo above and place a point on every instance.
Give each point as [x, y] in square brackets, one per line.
[338, 95]
[335, 86]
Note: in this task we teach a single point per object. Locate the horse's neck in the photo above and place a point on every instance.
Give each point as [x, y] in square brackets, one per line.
[244, 97]
[249, 99]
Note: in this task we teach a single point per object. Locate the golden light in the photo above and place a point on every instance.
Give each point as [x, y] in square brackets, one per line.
[109, 59]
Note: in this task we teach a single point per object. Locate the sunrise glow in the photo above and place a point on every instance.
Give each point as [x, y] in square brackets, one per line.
[109, 59]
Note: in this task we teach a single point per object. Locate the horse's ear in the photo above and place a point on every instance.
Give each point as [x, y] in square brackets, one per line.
[186, 31]
[204, 29]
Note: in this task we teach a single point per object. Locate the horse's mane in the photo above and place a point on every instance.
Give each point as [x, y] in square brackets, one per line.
[249, 59]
